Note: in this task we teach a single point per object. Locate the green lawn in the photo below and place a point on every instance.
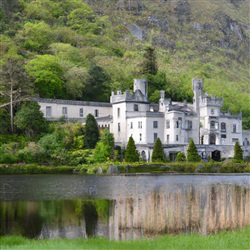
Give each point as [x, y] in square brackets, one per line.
[225, 240]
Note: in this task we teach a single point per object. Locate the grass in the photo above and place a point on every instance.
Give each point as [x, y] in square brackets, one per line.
[224, 240]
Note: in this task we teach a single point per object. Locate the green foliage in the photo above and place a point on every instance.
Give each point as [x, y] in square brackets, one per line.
[8, 158]
[149, 64]
[181, 157]
[47, 74]
[238, 152]
[104, 148]
[131, 154]
[4, 121]
[158, 154]
[30, 120]
[35, 36]
[192, 153]
[91, 136]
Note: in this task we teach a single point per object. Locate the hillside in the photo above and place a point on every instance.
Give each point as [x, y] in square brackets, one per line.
[83, 50]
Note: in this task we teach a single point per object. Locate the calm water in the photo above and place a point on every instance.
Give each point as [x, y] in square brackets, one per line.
[122, 207]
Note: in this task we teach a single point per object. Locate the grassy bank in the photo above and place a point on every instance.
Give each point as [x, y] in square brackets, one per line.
[224, 240]
[139, 167]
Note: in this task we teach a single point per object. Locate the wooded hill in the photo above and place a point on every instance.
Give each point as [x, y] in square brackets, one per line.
[83, 50]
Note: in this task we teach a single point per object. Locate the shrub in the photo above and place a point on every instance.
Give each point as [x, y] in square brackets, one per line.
[8, 158]
[158, 154]
[181, 157]
[192, 153]
[238, 152]
[131, 154]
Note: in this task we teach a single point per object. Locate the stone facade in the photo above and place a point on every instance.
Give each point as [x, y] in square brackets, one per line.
[213, 131]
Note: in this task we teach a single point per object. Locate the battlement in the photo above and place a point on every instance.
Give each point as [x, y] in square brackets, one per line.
[210, 101]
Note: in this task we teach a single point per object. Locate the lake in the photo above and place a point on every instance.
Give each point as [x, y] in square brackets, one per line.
[122, 207]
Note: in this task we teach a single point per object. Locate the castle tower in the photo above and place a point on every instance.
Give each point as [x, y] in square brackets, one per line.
[142, 85]
[197, 85]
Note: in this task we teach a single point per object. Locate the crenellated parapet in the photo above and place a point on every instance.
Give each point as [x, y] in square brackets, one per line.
[208, 101]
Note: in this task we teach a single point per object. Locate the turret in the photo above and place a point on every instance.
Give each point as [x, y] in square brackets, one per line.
[197, 85]
[142, 85]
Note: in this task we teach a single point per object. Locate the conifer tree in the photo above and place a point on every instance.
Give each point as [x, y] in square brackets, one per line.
[91, 136]
[149, 64]
[180, 157]
[131, 154]
[158, 152]
[238, 152]
[192, 153]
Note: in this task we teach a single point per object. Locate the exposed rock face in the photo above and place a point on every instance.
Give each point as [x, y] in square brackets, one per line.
[136, 31]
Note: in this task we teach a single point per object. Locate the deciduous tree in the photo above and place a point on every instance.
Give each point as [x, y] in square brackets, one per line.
[30, 120]
[47, 74]
[14, 85]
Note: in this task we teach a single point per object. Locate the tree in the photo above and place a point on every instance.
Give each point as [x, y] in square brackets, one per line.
[149, 64]
[35, 36]
[100, 89]
[47, 74]
[77, 82]
[192, 153]
[30, 119]
[238, 152]
[91, 136]
[180, 157]
[14, 85]
[131, 154]
[104, 148]
[158, 152]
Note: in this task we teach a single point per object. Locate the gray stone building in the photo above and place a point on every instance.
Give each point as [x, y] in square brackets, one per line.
[131, 114]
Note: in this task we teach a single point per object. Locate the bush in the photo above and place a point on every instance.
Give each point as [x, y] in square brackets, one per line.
[192, 153]
[181, 157]
[8, 158]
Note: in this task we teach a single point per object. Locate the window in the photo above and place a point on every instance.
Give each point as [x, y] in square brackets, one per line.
[168, 124]
[177, 137]
[131, 125]
[139, 124]
[96, 113]
[235, 140]
[212, 111]
[81, 112]
[177, 124]
[212, 125]
[48, 111]
[167, 138]
[223, 126]
[118, 112]
[234, 128]
[155, 136]
[136, 108]
[64, 111]
[223, 136]
[155, 124]
[119, 127]
[140, 137]
[190, 125]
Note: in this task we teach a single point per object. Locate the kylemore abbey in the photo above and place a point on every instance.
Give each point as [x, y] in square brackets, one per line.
[131, 114]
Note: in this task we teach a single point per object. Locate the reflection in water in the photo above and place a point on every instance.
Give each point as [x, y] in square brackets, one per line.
[135, 208]
[186, 209]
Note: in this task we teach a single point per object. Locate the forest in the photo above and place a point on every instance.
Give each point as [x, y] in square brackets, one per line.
[83, 50]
